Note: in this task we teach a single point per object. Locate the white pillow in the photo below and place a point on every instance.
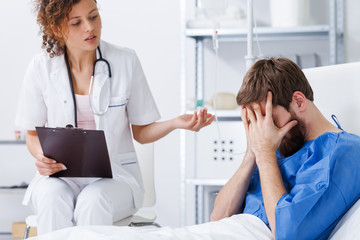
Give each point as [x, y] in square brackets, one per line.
[349, 226]
[336, 91]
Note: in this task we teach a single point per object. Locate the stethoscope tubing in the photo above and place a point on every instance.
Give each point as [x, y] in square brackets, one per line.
[91, 84]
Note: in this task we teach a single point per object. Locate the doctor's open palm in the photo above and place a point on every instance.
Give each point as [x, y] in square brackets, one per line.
[194, 122]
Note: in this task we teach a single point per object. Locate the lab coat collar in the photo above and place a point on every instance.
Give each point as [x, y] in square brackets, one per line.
[60, 78]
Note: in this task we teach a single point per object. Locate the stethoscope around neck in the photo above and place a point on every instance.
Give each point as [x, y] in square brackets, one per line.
[96, 112]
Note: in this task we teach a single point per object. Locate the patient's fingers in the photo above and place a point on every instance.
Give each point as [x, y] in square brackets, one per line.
[268, 106]
[287, 127]
[245, 118]
[257, 111]
[250, 115]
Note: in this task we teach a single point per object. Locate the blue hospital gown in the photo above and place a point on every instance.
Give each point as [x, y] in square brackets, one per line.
[322, 180]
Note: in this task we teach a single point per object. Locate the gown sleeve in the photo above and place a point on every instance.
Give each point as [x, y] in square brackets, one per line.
[320, 195]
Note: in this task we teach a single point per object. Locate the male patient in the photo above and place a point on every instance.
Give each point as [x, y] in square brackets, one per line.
[300, 173]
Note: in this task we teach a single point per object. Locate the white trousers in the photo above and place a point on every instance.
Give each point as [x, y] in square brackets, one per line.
[59, 203]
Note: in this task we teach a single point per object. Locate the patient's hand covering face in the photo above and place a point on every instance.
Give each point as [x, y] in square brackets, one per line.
[293, 141]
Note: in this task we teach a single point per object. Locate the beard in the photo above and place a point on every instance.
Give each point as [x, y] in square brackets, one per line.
[293, 140]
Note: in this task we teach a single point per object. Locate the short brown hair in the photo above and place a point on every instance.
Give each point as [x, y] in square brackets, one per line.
[51, 18]
[281, 76]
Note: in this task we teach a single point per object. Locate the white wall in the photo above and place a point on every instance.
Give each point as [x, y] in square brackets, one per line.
[19, 41]
[352, 31]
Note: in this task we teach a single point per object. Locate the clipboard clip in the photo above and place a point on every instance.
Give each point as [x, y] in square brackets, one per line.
[69, 126]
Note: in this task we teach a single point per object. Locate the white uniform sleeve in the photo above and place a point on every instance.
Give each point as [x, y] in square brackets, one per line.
[31, 111]
[141, 107]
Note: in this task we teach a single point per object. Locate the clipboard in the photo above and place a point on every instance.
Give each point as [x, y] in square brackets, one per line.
[83, 152]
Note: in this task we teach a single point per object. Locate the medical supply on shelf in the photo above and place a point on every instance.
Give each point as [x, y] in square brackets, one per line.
[231, 17]
[289, 13]
[17, 134]
[224, 101]
[199, 103]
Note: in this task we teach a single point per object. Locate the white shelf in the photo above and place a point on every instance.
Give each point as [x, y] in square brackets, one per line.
[224, 115]
[12, 142]
[264, 33]
[12, 190]
[206, 182]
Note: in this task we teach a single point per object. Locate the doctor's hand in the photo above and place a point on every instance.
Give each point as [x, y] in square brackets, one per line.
[47, 166]
[264, 136]
[194, 122]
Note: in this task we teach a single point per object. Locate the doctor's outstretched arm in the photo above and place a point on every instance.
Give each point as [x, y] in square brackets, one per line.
[45, 166]
[154, 131]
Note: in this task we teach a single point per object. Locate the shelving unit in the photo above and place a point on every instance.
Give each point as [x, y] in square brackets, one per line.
[17, 169]
[200, 185]
[332, 33]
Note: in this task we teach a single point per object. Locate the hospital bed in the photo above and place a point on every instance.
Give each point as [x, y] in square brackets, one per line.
[336, 90]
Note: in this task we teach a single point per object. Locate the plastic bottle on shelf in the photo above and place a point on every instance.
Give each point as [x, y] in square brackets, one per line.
[289, 13]
[224, 101]
[17, 134]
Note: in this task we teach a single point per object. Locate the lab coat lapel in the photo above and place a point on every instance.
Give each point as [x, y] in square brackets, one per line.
[60, 80]
[97, 89]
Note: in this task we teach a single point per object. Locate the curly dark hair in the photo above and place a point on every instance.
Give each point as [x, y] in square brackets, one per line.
[51, 15]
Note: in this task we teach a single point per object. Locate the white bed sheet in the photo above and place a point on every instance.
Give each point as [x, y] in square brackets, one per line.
[238, 227]
[348, 227]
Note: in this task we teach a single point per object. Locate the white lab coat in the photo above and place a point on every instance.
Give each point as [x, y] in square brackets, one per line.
[46, 100]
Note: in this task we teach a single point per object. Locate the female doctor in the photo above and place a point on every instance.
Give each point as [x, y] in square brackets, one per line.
[61, 88]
